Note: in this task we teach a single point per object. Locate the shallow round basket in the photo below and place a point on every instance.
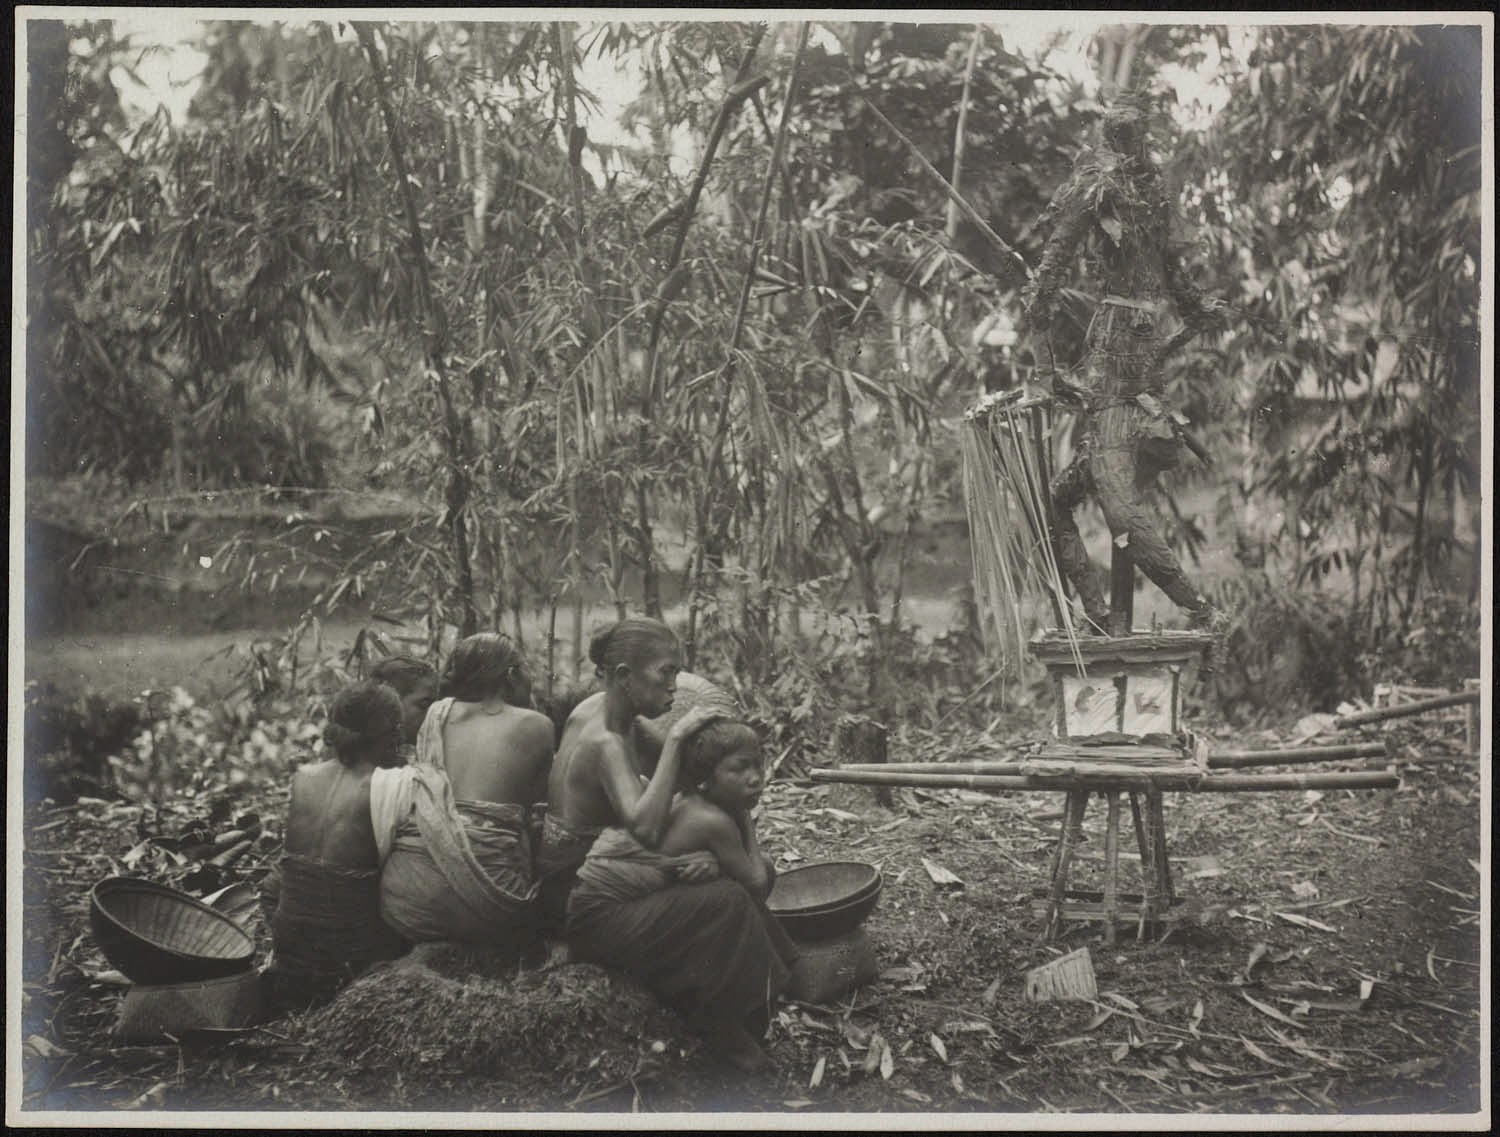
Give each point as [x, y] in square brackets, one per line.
[820, 887]
[692, 691]
[818, 902]
[154, 934]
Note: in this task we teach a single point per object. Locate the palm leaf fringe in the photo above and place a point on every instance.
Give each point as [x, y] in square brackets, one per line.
[1006, 497]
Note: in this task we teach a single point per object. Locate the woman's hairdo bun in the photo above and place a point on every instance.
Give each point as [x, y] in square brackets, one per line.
[480, 666]
[362, 716]
[599, 644]
[628, 641]
[339, 736]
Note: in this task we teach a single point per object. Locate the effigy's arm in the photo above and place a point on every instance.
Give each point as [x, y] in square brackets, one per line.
[1199, 309]
[1070, 225]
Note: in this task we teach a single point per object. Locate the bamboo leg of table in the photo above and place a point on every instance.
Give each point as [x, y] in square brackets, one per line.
[1150, 875]
[1163, 863]
[1144, 846]
[1072, 831]
[1111, 864]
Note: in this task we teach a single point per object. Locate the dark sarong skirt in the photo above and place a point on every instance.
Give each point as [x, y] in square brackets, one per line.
[699, 948]
[326, 931]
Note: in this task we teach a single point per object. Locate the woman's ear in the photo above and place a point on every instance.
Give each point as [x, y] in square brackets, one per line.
[621, 672]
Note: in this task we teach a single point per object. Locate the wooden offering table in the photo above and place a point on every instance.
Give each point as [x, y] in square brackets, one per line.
[1118, 734]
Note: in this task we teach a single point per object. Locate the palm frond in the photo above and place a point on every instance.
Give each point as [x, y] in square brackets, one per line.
[1006, 498]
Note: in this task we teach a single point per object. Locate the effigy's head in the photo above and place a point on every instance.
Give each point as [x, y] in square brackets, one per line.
[1127, 121]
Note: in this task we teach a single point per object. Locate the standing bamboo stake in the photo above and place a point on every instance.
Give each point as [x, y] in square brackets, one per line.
[1072, 835]
[1111, 863]
[959, 133]
[457, 495]
[712, 479]
[1017, 262]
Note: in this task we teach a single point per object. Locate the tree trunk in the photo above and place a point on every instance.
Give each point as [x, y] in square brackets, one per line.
[712, 534]
[960, 131]
[1419, 533]
[456, 498]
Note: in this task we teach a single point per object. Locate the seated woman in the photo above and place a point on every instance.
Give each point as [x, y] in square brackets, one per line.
[456, 851]
[710, 950]
[417, 684]
[600, 776]
[326, 927]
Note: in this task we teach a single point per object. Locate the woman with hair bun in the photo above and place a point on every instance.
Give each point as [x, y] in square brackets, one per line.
[710, 950]
[326, 927]
[607, 770]
[454, 824]
[416, 682]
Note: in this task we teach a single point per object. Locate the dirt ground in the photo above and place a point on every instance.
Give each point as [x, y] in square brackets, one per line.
[1330, 963]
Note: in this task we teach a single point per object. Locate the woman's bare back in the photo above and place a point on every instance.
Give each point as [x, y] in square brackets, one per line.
[329, 819]
[498, 756]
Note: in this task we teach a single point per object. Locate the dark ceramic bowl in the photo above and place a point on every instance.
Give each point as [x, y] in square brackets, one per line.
[154, 934]
[818, 902]
[817, 888]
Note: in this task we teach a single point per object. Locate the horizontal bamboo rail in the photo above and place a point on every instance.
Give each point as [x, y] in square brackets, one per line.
[1228, 761]
[1294, 755]
[1404, 709]
[1173, 782]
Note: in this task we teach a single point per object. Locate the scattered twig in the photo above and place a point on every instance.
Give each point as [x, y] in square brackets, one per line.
[1345, 833]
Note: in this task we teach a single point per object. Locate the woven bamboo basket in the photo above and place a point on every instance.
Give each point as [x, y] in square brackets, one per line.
[1069, 977]
[830, 969]
[155, 935]
[692, 691]
[150, 1014]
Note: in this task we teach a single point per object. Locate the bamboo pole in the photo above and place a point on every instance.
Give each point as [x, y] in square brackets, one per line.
[1296, 755]
[727, 368]
[1017, 263]
[960, 131]
[1227, 761]
[1174, 783]
[434, 328]
[1405, 709]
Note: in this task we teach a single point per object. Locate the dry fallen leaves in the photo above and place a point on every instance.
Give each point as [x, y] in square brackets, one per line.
[938, 1046]
[873, 1055]
[1272, 1012]
[1257, 1052]
[941, 876]
[1305, 921]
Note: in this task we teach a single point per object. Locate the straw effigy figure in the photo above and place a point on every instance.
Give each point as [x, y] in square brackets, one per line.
[1116, 205]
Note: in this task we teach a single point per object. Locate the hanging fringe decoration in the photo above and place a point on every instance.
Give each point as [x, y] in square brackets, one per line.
[1007, 497]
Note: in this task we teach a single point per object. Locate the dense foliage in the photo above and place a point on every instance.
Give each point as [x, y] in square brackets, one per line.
[390, 256]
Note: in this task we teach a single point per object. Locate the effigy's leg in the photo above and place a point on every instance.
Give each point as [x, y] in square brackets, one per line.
[1069, 489]
[1117, 481]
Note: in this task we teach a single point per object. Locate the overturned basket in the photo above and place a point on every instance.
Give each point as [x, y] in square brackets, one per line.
[154, 934]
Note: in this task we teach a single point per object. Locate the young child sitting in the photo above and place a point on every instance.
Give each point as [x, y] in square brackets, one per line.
[723, 774]
[710, 950]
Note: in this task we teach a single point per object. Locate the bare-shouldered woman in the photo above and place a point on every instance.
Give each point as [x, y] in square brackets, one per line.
[461, 862]
[325, 921]
[608, 770]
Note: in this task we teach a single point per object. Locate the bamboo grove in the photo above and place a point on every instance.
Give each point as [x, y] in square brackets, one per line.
[375, 258]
